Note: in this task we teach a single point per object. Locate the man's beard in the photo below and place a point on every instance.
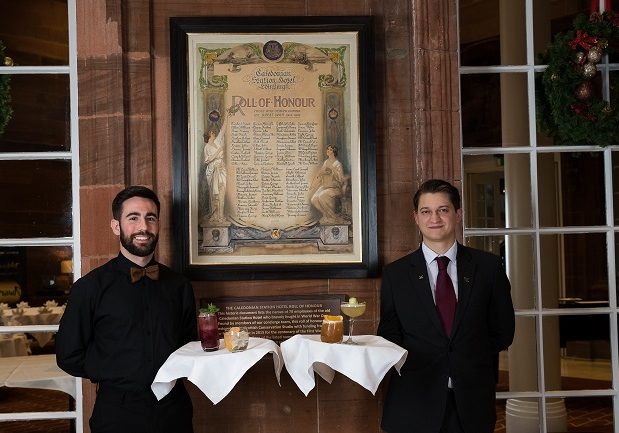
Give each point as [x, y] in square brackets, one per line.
[141, 251]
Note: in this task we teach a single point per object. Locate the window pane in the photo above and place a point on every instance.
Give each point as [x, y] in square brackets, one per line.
[36, 199]
[573, 414]
[484, 194]
[494, 183]
[40, 273]
[522, 356]
[615, 170]
[590, 414]
[518, 256]
[48, 426]
[613, 76]
[551, 17]
[577, 352]
[40, 120]
[494, 110]
[522, 415]
[481, 110]
[547, 133]
[34, 284]
[35, 32]
[562, 184]
[499, 426]
[14, 400]
[573, 269]
[492, 32]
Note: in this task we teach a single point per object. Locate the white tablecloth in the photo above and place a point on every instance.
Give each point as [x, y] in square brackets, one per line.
[214, 373]
[13, 345]
[32, 316]
[40, 372]
[365, 364]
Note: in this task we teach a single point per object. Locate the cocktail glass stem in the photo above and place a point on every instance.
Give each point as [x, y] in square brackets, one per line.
[351, 323]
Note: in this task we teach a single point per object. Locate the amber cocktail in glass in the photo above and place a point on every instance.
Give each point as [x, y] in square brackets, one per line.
[332, 329]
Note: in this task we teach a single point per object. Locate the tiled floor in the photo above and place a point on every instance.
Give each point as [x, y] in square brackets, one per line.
[31, 400]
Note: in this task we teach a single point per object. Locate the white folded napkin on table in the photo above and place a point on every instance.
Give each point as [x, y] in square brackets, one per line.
[365, 364]
[214, 373]
[51, 304]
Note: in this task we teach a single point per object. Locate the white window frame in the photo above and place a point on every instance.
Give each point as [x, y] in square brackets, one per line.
[74, 240]
[609, 229]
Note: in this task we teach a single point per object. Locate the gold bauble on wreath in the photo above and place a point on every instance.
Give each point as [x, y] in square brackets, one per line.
[580, 57]
[584, 91]
[595, 55]
[589, 70]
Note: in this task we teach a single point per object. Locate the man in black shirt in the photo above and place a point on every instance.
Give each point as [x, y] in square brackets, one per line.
[123, 320]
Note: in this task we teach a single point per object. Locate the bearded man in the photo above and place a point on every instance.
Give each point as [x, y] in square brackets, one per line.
[123, 320]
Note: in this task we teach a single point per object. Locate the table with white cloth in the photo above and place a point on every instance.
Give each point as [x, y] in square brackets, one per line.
[13, 345]
[35, 316]
[40, 372]
[214, 373]
[366, 363]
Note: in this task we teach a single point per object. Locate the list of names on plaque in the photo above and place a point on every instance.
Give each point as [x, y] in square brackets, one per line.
[272, 162]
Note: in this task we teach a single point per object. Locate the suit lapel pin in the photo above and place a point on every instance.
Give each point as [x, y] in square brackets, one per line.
[421, 277]
[467, 280]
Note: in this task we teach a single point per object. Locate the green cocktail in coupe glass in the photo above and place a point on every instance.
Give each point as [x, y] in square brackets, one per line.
[353, 309]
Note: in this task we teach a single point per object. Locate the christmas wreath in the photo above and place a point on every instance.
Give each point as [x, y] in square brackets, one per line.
[569, 107]
[5, 91]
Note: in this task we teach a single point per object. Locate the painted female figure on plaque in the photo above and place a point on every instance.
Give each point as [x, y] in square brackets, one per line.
[329, 185]
[215, 173]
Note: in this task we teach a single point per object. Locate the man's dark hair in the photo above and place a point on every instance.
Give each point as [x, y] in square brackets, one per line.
[130, 192]
[438, 185]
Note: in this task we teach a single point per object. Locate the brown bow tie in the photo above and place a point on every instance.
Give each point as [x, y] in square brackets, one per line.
[151, 272]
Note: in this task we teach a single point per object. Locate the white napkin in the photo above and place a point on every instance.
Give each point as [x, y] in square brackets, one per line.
[4, 306]
[51, 304]
[23, 304]
[365, 364]
[214, 373]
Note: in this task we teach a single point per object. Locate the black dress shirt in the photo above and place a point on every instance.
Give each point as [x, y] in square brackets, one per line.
[120, 333]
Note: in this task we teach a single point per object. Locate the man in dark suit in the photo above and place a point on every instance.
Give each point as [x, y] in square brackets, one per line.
[447, 384]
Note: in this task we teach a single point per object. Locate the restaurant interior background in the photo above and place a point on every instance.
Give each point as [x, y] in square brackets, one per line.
[455, 98]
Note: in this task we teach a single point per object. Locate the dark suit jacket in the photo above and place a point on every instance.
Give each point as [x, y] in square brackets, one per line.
[483, 326]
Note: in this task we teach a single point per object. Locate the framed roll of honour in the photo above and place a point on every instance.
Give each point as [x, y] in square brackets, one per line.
[273, 145]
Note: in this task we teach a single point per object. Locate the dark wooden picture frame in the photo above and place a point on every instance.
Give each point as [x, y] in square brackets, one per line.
[190, 233]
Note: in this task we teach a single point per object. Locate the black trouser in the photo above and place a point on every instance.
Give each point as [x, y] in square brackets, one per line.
[451, 421]
[120, 411]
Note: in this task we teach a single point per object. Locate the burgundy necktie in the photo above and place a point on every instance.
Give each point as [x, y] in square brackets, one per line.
[445, 295]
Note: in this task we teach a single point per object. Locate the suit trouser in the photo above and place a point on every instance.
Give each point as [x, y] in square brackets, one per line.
[121, 411]
[451, 421]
